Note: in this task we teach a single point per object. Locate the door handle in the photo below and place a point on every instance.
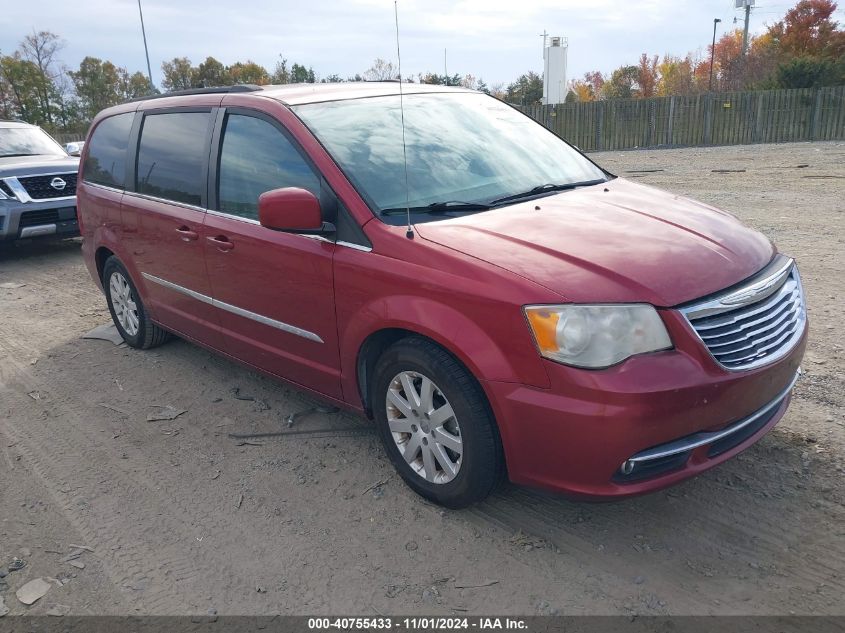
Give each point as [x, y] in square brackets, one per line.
[187, 234]
[221, 242]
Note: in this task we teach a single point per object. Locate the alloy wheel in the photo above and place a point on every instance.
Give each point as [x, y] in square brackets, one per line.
[424, 427]
[125, 307]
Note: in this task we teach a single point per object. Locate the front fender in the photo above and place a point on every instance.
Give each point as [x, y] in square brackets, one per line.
[502, 350]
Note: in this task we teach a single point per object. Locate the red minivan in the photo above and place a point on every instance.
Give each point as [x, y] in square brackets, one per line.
[497, 303]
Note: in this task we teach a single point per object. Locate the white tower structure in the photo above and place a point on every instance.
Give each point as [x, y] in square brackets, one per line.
[554, 70]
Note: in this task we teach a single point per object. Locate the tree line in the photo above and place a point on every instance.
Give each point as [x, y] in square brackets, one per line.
[36, 87]
[804, 49]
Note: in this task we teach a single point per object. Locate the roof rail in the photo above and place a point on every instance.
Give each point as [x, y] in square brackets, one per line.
[200, 91]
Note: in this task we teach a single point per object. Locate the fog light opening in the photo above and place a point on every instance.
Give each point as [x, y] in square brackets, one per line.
[627, 467]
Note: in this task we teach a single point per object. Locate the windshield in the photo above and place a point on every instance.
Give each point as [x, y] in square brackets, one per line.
[27, 141]
[461, 148]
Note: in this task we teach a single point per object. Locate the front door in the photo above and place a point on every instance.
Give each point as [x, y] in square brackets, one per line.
[273, 292]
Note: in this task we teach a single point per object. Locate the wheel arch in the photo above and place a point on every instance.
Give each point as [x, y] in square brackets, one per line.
[377, 342]
[100, 256]
[381, 340]
[369, 352]
[485, 355]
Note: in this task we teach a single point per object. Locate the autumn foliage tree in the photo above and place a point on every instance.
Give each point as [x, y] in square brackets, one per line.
[808, 30]
[647, 76]
[805, 49]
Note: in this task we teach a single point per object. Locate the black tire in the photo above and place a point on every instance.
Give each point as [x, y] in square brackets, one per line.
[148, 334]
[483, 466]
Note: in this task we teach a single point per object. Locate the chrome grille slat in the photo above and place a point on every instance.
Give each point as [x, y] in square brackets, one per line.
[785, 336]
[729, 318]
[744, 324]
[770, 323]
[758, 344]
[758, 331]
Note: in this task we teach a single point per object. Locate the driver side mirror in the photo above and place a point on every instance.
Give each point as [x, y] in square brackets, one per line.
[292, 210]
[75, 148]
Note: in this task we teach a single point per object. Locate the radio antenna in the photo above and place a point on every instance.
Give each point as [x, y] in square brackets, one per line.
[409, 233]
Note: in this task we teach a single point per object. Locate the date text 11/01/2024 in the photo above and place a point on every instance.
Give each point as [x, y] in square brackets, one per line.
[417, 623]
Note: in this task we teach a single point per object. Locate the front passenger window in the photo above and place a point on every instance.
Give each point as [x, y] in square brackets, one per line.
[257, 157]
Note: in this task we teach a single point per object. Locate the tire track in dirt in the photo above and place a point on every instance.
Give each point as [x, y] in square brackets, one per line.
[137, 538]
[116, 533]
[515, 511]
[192, 511]
[732, 535]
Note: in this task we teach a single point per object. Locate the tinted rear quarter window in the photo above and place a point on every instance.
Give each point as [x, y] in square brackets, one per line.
[105, 163]
[171, 156]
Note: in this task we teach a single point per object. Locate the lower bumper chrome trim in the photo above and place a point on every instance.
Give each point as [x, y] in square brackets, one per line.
[696, 440]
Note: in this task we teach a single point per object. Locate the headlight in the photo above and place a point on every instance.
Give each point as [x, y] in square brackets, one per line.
[596, 336]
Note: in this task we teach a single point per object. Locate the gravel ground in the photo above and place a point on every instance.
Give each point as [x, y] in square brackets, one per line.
[183, 519]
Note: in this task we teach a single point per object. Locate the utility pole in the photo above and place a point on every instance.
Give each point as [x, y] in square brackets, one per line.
[445, 72]
[146, 50]
[544, 35]
[746, 4]
[713, 52]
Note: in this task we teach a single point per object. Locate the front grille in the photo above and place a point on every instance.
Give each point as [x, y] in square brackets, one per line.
[36, 218]
[758, 332]
[40, 187]
[5, 189]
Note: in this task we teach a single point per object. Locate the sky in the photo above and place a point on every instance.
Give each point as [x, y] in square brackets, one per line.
[496, 40]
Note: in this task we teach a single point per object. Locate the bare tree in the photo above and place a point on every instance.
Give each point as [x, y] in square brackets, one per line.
[381, 70]
[41, 48]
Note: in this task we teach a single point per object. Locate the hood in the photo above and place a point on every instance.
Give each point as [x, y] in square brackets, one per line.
[36, 165]
[616, 242]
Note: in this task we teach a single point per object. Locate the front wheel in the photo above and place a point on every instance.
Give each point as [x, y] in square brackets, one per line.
[435, 424]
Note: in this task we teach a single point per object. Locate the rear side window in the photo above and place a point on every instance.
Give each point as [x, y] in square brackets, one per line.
[171, 156]
[257, 157]
[106, 160]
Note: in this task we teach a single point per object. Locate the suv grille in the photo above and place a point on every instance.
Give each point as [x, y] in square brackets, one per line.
[39, 187]
[758, 332]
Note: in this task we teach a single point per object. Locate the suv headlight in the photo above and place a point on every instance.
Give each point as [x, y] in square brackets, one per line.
[596, 336]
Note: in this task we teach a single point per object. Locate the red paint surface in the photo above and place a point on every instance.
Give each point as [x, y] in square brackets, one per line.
[462, 282]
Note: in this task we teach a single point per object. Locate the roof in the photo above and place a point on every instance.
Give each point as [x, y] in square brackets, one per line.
[16, 124]
[298, 94]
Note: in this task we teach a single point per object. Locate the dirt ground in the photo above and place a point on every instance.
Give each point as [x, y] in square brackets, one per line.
[183, 519]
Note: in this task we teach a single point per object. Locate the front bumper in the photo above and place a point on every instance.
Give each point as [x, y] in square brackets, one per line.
[22, 220]
[575, 437]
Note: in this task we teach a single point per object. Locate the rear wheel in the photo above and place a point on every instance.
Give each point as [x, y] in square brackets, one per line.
[127, 309]
[436, 424]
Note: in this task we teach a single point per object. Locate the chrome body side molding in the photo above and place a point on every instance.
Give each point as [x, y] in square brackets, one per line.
[228, 307]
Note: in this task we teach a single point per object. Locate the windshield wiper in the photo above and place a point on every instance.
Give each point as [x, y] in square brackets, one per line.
[450, 206]
[13, 155]
[547, 188]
